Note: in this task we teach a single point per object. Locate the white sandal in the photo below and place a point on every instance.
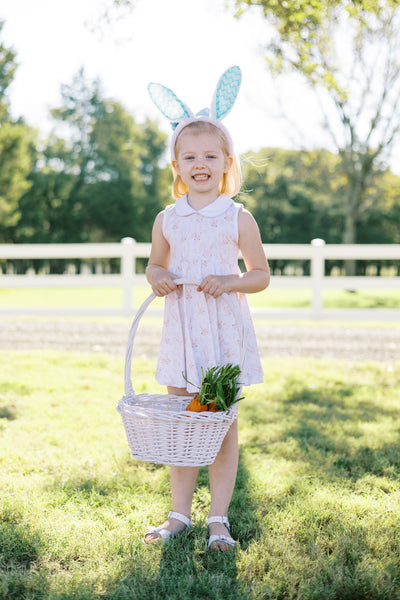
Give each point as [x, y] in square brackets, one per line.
[225, 539]
[166, 534]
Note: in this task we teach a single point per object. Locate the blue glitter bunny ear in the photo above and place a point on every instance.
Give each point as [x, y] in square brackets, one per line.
[169, 104]
[226, 93]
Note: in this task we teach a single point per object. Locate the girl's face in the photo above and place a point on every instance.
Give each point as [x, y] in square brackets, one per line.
[201, 162]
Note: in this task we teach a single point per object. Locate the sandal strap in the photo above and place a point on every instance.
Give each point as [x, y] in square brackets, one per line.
[221, 520]
[182, 518]
[225, 539]
[165, 534]
[221, 538]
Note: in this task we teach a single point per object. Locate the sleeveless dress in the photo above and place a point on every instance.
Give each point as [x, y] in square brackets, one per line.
[199, 330]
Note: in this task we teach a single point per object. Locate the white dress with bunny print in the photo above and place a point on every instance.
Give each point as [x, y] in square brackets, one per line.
[199, 330]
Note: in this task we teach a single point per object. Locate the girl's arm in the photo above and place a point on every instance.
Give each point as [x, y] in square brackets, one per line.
[160, 279]
[257, 276]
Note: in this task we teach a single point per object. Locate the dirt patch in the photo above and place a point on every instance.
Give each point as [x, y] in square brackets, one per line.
[292, 340]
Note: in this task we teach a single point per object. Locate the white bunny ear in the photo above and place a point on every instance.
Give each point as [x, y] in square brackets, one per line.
[168, 103]
[226, 93]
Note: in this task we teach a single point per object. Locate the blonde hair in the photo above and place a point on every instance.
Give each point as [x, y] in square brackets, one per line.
[231, 181]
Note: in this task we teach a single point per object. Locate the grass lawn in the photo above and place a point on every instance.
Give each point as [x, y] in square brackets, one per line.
[270, 298]
[316, 507]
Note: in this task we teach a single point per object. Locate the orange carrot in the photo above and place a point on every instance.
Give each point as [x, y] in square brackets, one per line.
[195, 405]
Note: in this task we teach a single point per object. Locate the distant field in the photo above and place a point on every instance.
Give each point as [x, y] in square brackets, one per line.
[111, 298]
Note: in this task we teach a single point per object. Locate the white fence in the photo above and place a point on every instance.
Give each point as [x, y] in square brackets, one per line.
[129, 250]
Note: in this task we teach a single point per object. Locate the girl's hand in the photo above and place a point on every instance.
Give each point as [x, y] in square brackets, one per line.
[215, 285]
[162, 282]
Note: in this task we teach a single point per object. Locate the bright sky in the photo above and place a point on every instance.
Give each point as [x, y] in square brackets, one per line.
[183, 44]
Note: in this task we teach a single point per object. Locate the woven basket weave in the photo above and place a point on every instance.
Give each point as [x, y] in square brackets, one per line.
[158, 427]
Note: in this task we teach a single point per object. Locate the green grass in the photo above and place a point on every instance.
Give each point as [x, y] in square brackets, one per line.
[316, 508]
[271, 298]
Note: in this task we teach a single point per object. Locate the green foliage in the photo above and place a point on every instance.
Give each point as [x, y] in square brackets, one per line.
[103, 182]
[16, 160]
[7, 70]
[128, 186]
[220, 385]
[16, 150]
[315, 506]
[379, 221]
[296, 196]
[298, 25]
[292, 193]
[348, 49]
[305, 30]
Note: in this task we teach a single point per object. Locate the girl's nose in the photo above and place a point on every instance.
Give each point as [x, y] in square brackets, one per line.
[199, 161]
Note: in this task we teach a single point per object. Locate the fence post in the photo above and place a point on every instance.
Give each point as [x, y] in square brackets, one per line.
[317, 276]
[128, 270]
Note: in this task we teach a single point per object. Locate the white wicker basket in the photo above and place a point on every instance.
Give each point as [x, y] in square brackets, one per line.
[158, 427]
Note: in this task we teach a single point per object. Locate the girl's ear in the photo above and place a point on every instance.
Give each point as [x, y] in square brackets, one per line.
[175, 166]
[169, 104]
[228, 163]
[226, 93]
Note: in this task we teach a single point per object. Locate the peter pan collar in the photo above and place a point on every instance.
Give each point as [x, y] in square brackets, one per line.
[216, 208]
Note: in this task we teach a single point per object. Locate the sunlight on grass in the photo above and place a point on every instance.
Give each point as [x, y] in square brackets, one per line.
[316, 508]
[270, 298]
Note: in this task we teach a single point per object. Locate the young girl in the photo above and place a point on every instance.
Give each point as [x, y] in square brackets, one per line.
[199, 238]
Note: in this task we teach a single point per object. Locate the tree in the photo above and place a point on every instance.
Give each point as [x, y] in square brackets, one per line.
[129, 188]
[110, 12]
[296, 196]
[51, 210]
[7, 70]
[103, 181]
[380, 220]
[17, 153]
[349, 51]
[17, 156]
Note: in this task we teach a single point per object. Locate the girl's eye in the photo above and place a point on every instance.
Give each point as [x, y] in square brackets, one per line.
[211, 156]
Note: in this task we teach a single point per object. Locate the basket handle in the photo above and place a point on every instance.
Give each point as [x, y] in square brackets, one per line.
[181, 281]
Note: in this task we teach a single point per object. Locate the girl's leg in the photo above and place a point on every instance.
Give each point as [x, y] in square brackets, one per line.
[183, 481]
[222, 474]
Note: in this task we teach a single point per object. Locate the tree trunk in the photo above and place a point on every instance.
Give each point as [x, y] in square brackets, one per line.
[349, 233]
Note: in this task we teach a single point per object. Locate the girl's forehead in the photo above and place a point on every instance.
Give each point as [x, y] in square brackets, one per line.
[198, 139]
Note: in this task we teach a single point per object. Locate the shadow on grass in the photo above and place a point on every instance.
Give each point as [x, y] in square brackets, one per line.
[319, 432]
[328, 427]
[8, 412]
[19, 545]
[183, 568]
[9, 391]
[20, 549]
[186, 568]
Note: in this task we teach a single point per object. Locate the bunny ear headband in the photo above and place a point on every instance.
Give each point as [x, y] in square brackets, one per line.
[180, 115]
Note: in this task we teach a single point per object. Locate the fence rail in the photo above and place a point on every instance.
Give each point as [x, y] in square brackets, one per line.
[128, 251]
